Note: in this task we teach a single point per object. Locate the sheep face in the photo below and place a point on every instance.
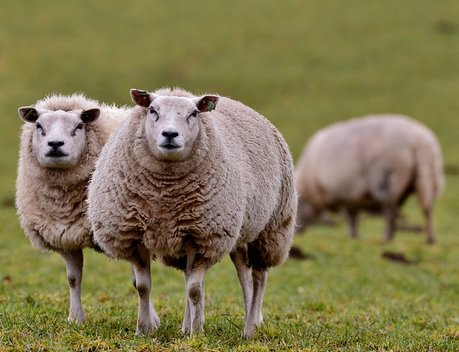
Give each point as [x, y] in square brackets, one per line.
[172, 124]
[59, 137]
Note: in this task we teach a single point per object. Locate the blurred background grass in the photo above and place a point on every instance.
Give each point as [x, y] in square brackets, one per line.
[301, 64]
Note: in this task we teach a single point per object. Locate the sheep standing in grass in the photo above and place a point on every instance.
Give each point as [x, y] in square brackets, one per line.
[369, 163]
[60, 142]
[188, 180]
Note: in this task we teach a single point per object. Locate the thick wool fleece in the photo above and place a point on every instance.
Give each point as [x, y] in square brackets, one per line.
[377, 159]
[236, 187]
[51, 202]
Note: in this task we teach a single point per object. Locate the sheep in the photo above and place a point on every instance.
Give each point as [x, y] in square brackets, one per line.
[371, 163]
[188, 180]
[60, 142]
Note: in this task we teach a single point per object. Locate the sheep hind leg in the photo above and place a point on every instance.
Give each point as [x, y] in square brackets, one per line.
[390, 212]
[425, 201]
[244, 273]
[147, 318]
[196, 268]
[429, 225]
[255, 317]
[74, 265]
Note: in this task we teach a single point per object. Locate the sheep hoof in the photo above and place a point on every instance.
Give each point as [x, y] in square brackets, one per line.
[249, 331]
[430, 241]
[145, 330]
[76, 319]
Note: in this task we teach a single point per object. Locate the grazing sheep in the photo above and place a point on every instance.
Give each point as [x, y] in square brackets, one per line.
[189, 179]
[60, 142]
[371, 163]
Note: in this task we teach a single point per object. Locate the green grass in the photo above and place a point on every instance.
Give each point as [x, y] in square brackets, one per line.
[303, 65]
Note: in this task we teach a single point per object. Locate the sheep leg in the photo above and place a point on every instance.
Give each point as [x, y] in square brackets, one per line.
[196, 267]
[426, 200]
[147, 318]
[152, 309]
[186, 324]
[429, 225]
[352, 221]
[133, 277]
[244, 273]
[255, 317]
[74, 265]
[391, 217]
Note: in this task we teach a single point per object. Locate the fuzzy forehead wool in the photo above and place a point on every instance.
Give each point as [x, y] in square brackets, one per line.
[178, 104]
[175, 92]
[66, 103]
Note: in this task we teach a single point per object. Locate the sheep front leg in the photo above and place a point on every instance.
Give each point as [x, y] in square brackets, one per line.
[255, 317]
[74, 265]
[244, 273]
[147, 318]
[186, 324]
[193, 321]
[352, 221]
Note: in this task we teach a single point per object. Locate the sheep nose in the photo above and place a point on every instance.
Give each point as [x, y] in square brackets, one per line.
[170, 135]
[55, 144]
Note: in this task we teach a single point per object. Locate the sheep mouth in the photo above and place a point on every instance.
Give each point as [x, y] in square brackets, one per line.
[56, 154]
[170, 146]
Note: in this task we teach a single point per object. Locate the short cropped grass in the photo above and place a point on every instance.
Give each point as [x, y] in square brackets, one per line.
[301, 64]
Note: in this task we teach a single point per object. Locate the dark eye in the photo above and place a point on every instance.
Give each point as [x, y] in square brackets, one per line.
[79, 127]
[153, 113]
[39, 127]
[193, 114]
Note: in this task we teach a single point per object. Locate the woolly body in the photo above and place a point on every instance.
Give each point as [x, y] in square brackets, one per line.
[236, 187]
[367, 163]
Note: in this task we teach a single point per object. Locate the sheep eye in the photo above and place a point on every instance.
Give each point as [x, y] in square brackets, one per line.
[79, 127]
[154, 113]
[193, 114]
[40, 127]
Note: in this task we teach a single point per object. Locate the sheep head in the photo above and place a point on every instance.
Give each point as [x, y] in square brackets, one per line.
[59, 137]
[172, 124]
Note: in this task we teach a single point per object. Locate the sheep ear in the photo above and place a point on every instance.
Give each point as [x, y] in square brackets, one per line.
[28, 114]
[90, 115]
[207, 103]
[141, 97]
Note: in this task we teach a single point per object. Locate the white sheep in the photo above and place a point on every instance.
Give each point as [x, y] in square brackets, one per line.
[190, 179]
[60, 143]
[371, 163]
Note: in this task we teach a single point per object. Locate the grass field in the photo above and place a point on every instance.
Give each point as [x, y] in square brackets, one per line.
[303, 65]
